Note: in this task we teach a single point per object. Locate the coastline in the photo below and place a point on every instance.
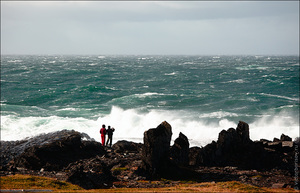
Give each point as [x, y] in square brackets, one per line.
[121, 166]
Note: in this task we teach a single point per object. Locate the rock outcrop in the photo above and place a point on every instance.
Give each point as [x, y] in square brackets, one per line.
[235, 148]
[156, 149]
[156, 155]
[89, 174]
[74, 157]
[55, 153]
[180, 150]
[127, 147]
[284, 137]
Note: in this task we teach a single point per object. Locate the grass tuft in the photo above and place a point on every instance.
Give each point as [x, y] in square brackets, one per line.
[34, 182]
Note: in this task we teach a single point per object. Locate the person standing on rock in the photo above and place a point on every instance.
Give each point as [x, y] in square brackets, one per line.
[103, 132]
[109, 135]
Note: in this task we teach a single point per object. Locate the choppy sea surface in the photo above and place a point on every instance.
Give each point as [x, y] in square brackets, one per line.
[198, 95]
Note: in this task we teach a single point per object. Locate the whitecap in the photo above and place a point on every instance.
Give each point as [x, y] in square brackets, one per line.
[131, 124]
[68, 109]
[239, 81]
[278, 96]
[188, 63]
[14, 61]
[170, 74]
[218, 114]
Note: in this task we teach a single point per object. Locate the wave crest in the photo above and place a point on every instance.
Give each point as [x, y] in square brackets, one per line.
[130, 125]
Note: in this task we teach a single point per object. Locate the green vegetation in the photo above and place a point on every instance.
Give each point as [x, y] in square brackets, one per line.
[120, 169]
[35, 182]
[43, 183]
[237, 186]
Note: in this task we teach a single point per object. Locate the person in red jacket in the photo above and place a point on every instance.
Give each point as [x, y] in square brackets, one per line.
[103, 132]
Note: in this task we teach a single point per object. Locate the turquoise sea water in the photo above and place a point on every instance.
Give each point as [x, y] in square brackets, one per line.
[197, 95]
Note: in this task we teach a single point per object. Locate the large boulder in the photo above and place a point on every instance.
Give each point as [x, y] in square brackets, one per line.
[156, 162]
[284, 137]
[243, 132]
[65, 147]
[90, 173]
[124, 146]
[195, 156]
[12, 149]
[180, 150]
[156, 149]
[233, 145]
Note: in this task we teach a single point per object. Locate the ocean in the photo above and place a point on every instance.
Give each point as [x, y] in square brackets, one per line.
[197, 95]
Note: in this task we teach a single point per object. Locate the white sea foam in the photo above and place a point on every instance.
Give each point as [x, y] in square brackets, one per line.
[170, 74]
[131, 124]
[278, 96]
[239, 81]
[151, 94]
[218, 114]
[14, 61]
[268, 127]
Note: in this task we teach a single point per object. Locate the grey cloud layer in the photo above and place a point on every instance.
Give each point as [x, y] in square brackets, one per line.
[150, 27]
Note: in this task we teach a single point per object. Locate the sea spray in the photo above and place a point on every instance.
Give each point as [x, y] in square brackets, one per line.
[198, 95]
[130, 125]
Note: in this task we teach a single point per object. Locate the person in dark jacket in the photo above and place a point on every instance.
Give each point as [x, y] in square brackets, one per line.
[103, 132]
[109, 132]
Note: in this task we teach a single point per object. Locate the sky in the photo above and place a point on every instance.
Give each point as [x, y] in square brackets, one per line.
[150, 27]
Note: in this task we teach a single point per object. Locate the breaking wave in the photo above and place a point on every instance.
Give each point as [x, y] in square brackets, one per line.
[130, 125]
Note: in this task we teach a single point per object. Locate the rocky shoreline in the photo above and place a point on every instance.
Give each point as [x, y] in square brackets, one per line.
[75, 157]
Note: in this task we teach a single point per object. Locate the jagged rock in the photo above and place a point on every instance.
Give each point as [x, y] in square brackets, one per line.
[156, 155]
[156, 149]
[275, 145]
[232, 145]
[235, 148]
[180, 150]
[126, 147]
[284, 137]
[297, 141]
[54, 154]
[89, 174]
[264, 142]
[243, 130]
[234, 156]
[228, 142]
[279, 185]
[195, 156]
[12, 149]
[287, 146]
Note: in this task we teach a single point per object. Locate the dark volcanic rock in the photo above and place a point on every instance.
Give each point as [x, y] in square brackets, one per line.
[156, 155]
[89, 174]
[54, 154]
[12, 149]
[127, 147]
[195, 156]
[243, 132]
[180, 150]
[235, 148]
[284, 137]
[156, 149]
[66, 156]
[231, 147]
